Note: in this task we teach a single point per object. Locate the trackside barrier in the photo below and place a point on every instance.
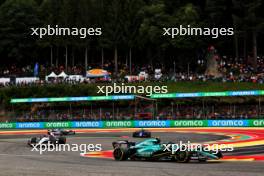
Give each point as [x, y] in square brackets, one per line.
[134, 124]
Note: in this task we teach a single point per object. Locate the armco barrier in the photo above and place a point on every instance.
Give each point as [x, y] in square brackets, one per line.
[256, 123]
[228, 123]
[7, 125]
[33, 125]
[86, 124]
[189, 123]
[118, 124]
[134, 124]
[152, 123]
[57, 125]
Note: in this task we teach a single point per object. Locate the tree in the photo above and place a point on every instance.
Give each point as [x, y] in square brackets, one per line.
[87, 15]
[248, 17]
[132, 21]
[49, 16]
[157, 17]
[113, 32]
[67, 18]
[151, 30]
[16, 41]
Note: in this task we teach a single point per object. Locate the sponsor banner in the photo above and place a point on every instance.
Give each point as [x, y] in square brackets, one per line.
[36, 125]
[189, 123]
[228, 123]
[57, 125]
[136, 124]
[210, 94]
[256, 123]
[118, 124]
[87, 124]
[69, 99]
[152, 123]
[7, 125]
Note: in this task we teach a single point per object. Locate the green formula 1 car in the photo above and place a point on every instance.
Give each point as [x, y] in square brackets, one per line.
[153, 149]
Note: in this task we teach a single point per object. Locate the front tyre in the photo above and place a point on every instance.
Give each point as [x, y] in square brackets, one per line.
[219, 155]
[182, 156]
[120, 154]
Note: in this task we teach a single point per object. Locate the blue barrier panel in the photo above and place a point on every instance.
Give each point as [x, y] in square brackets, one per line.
[36, 125]
[87, 124]
[152, 123]
[228, 123]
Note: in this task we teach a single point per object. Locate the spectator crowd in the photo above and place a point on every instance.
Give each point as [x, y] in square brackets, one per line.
[231, 70]
[176, 112]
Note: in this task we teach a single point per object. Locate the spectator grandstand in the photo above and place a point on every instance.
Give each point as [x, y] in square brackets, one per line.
[177, 112]
[232, 70]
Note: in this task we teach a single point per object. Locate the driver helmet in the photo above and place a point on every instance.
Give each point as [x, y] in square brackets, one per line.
[158, 140]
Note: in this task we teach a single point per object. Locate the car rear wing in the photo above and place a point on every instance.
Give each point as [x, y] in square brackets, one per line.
[123, 143]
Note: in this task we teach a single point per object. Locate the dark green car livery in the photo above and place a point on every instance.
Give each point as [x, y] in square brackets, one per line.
[153, 149]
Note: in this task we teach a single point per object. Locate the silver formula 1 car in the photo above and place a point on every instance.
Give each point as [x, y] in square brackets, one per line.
[46, 139]
[61, 132]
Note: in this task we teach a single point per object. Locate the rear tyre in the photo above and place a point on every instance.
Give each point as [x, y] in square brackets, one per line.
[202, 160]
[33, 140]
[120, 154]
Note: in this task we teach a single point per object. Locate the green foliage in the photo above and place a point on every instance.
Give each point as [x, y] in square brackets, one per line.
[16, 19]
[125, 24]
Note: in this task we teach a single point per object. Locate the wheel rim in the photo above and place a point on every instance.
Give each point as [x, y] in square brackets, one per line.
[181, 156]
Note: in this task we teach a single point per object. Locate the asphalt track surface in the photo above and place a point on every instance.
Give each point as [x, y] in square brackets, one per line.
[17, 159]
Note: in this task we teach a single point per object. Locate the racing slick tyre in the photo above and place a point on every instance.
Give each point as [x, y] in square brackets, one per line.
[32, 141]
[202, 160]
[120, 154]
[219, 154]
[182, 156]
[62, 140]
[52, 140]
